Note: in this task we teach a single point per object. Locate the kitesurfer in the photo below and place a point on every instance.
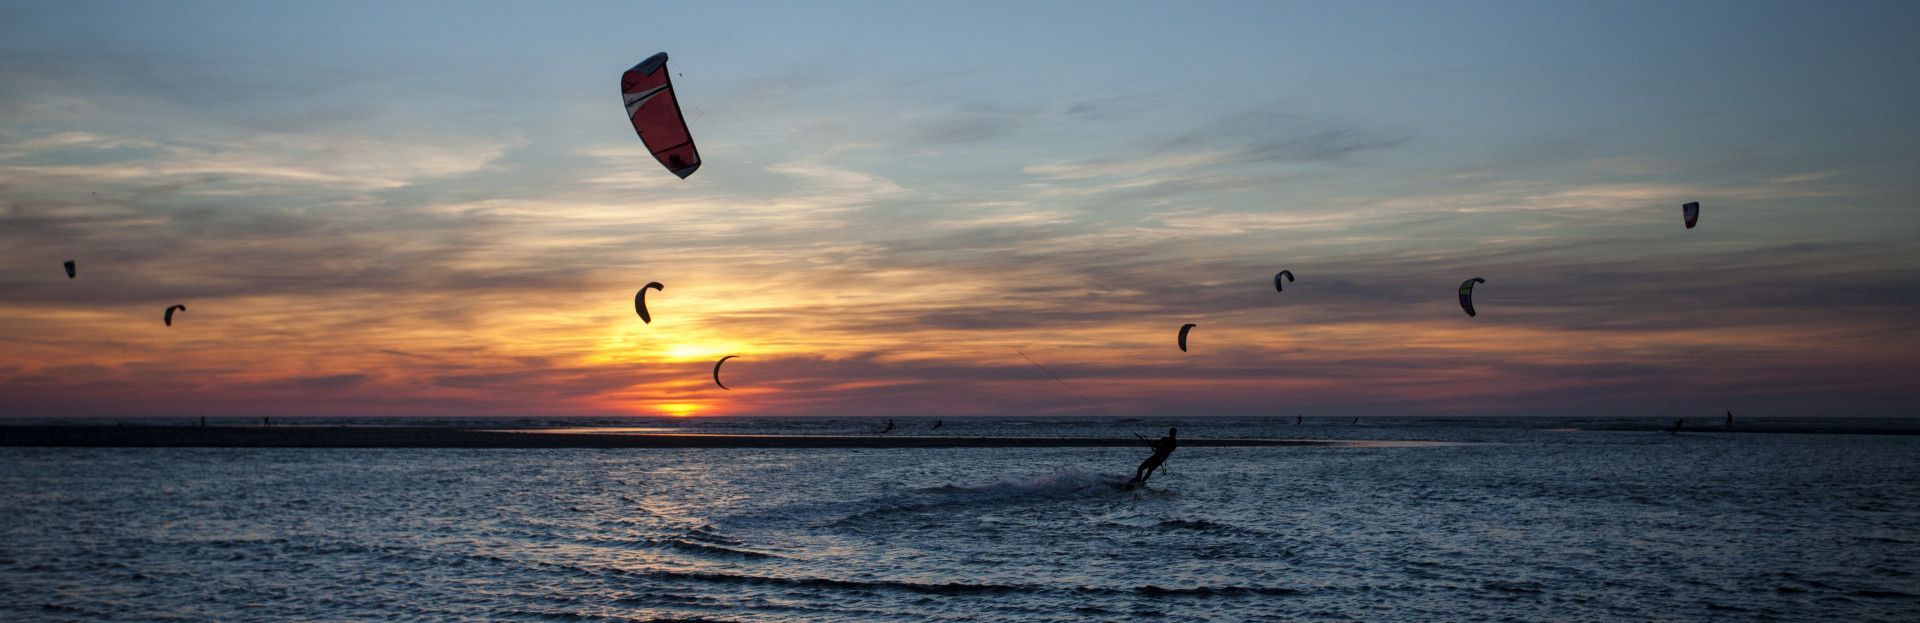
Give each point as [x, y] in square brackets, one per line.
[1676, 426]
[1161, 449]
[888, 428]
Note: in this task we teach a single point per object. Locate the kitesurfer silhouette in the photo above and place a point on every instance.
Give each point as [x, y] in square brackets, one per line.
[1161, 448]
[889, 426]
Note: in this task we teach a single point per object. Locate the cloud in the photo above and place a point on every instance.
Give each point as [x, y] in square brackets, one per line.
[349, 162]
[1108, 168]
[1266, 137]
[324, 383]
[64, 141]
[369, 250]
[971, 124]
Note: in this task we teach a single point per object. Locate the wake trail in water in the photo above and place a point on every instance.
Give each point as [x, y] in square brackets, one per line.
[1064, 481]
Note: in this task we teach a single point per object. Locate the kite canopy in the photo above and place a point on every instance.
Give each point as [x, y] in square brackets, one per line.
[69, 269]
[1276, 279]
[1691, 212]
[1183, 335]
[716, 372]
[655, 113]
[640, 301]
[169, 315]
[1466, 295]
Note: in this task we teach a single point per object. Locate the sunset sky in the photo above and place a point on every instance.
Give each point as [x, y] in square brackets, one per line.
[389, 209]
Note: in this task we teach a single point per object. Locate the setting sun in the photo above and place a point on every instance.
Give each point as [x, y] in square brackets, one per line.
[679, 409]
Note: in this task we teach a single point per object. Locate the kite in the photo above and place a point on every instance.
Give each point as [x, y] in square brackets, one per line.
[640, 301]
[1466, 295]
[655, 112]
[1183, 335]
[169, 316]
[716, 372]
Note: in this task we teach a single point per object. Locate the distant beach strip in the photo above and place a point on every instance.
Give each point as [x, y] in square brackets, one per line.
[446, 437]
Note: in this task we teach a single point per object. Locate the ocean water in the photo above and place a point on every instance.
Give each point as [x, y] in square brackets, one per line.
[1525, 521]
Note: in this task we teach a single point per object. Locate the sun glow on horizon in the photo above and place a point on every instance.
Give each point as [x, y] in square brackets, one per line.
[699, 351]
[630, 345]
[680, 409]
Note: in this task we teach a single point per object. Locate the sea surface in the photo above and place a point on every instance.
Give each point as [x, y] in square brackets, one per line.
[1525, 519]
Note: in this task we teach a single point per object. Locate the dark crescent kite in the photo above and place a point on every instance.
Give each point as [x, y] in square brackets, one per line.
[1466, 295]
[640, 301]
[716, 372]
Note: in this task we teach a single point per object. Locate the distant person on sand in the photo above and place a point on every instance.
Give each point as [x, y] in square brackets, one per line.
[1161, 449]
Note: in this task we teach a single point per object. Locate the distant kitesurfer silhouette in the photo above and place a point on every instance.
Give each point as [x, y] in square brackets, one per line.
[938, 423]
[1161, 448]
[1298, 419]
[1729, 419]
[1676, 426]
[888, 428]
